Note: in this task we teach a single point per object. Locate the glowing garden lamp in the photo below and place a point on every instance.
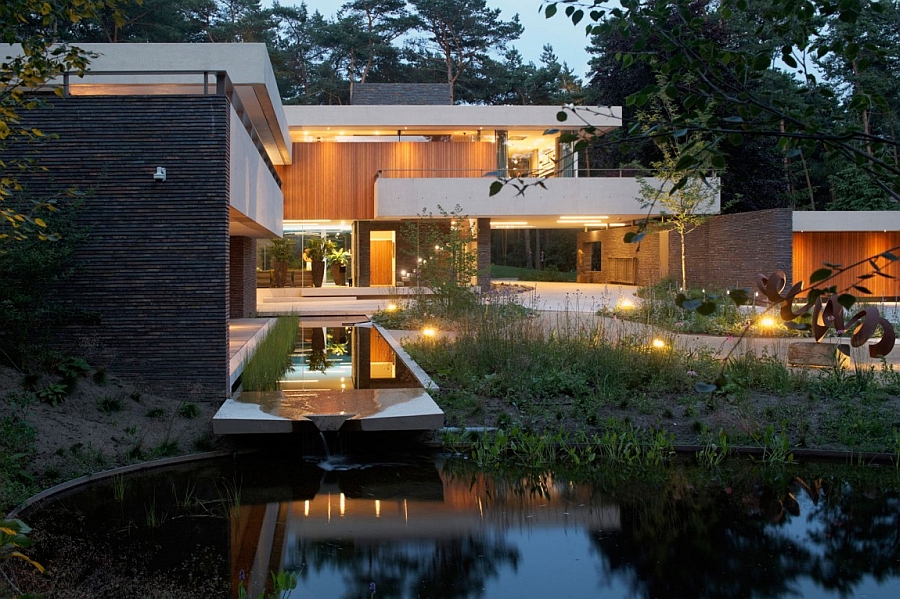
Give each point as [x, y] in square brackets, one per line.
[658, 344]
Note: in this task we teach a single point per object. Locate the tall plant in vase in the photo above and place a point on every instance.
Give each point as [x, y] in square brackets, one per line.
[317, 249]
[339, 259]
[282, 250]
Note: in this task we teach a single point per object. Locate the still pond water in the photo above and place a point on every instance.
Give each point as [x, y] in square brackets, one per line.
[438, 528]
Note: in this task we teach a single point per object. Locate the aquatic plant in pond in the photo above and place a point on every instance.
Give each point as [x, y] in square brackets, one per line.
[272, 358]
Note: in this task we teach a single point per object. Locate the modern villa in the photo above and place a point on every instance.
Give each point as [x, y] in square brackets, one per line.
[191, 165]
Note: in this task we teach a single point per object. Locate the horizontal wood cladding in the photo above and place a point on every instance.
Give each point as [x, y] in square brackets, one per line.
[154, 268]
[812, 250]
[337, 180]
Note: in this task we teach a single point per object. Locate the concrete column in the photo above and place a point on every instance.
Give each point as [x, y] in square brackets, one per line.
[484, 253]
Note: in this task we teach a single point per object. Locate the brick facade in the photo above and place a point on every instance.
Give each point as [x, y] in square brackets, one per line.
[726, 251]
[153, 272]
[411, 94]
[242, 277]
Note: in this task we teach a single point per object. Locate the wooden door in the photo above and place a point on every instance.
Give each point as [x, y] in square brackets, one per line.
[381, 267]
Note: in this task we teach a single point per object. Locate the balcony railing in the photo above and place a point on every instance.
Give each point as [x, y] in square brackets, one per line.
[440, 173]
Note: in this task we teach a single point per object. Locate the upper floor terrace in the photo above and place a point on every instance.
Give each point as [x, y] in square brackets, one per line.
[396, 162]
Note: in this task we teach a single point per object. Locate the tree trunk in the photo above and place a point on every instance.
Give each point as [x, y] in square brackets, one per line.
[529, 257]
[683, 263]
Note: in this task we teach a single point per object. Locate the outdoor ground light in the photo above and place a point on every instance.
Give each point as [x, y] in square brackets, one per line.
[625, 304]
[428, 332]
[767, 322]
[658, 344]
[391, 308]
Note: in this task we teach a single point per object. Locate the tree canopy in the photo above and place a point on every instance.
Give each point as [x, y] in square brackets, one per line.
[814, 79]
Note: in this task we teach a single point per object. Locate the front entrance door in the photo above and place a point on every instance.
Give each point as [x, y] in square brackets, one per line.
[382, 263]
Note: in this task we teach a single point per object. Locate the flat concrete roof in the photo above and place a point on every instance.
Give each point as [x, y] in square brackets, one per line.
[840, 220]
[487, 118]
[131, 69]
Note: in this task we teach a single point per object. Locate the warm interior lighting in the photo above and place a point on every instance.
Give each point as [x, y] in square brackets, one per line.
[582, 218]
[658, 344]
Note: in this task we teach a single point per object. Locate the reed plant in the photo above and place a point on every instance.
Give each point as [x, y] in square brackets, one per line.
[272, 359]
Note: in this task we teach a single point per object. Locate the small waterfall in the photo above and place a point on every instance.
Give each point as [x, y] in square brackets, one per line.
[325, 445]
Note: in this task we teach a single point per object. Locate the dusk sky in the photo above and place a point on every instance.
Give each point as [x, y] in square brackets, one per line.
[568, 40]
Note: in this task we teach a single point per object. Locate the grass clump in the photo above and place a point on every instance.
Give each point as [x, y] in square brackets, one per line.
[273, 356]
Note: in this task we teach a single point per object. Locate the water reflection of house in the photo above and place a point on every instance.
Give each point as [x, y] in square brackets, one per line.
[428, 513]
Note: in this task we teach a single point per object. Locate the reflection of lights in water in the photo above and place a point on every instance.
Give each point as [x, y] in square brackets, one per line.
[343, 504]
[378, 508]
[405, 511]
[329, 507]
[306, 508]
[658, 344]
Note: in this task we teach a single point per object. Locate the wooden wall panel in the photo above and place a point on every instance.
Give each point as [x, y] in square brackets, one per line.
[331, 180]
[811, 250]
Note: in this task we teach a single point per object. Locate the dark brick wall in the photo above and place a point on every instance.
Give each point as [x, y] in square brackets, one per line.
[242, 277]
[154, 270]
[613, 246]
[400, 93]
[726, 251]
[729, 250]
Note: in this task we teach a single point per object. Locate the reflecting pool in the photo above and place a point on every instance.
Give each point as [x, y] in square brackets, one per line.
[437, 527]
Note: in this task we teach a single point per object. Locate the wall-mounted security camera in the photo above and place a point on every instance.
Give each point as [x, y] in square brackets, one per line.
[160, 174]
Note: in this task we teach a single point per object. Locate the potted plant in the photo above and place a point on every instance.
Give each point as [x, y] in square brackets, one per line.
[317, 249]
[282, 250]
[339, 258]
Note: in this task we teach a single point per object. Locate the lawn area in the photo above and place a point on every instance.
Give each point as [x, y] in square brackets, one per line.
[531, 274]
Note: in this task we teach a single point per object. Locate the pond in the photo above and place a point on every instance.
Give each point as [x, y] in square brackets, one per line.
[433, 526]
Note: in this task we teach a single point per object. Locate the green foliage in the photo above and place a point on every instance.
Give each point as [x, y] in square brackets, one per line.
[776, 446]
[14, 538]
[715, 450]
[30, 269]
[282, 585]
[719, 60]
[272, 357]
[282, 249]
[189, 410]
[318, 248]
[530, 274]
[17, 446]
[53, 393]
[446, 262]
[109, 405]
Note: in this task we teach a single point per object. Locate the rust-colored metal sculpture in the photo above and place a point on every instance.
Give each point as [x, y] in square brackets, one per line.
[828, 313]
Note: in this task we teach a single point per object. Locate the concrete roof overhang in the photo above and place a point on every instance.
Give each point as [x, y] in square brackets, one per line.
[330, 121]
[157, 69]
[846, 221]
